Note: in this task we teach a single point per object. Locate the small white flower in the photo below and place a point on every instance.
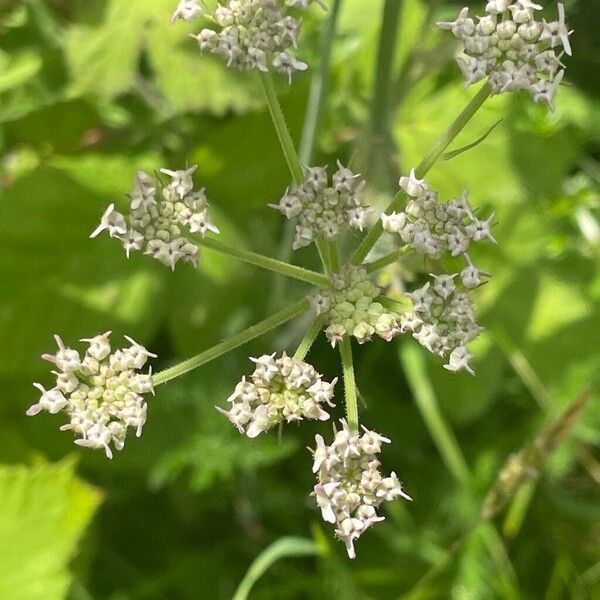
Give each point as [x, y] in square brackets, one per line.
[207, 39]
[99, 346]
[287, 64]
[412, 186]
[459, 359]
[444, 285]
[393, 223]
[471, 276]
[66, 359]
[523, 10]
[544, 91]
[497, 7]
[480, 230]
[463, 25]
[187, 10]
[181, 182]
[52, 401]
[557, 32]
[113, 222]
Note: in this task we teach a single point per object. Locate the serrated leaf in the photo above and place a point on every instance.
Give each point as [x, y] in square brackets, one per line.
[43, 513]
[104, 59]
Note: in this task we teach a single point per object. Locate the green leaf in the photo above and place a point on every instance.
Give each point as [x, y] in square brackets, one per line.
[282, 548]
[104, 59]
[43, 513]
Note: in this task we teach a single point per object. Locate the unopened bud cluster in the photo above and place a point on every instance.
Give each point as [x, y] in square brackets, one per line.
[325, 210]
[102, 393]
[350, 308]
[434, 228]
[161, 218]
[443, 320]
[280, 389]
[512, 48]
[255, 34]
[350, 486]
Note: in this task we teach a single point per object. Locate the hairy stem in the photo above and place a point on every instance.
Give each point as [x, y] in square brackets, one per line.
[381, 141]
[318, 88]
[388, 259]
[270, 264]
[423, 168]
[240, 339]
[349, 383]
[283, 133]
[309, 338]
[287, 145]
[415, 370]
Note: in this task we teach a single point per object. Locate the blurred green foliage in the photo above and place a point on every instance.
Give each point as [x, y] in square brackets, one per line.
[92, 91]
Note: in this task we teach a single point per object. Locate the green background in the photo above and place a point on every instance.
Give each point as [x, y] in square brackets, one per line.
[91, 91]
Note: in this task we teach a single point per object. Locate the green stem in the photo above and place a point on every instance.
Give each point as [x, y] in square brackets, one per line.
[388, 259]
[380, 103]
[283, 133]
[398, 306]
[349, 383]
[312, 119]
[265, 262]
[287, 145]
[334, 259]
[241, 338]
[309, 338]
[415, 371]
[318, 88]
[423, 168]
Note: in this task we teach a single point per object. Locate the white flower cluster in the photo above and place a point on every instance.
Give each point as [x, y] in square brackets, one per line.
[434, 228]
[322, 210]
[160, 218]
[443, 321]
[350, 308]
[514, 50]
[350, 487]
[254, 34]
[280, 389]
[101, 392]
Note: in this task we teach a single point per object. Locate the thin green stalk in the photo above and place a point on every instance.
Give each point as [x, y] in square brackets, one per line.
[287, 145]
[241, 338]
[380, 102]
[415, 371]
[399, 306]
[283, 133]
[312, 119]
[309, 338]
[282, 548]
[265, 262]
[351, 396]
[388, 259]
[522, 367]
[318, 88]
[423, 168]
[334, 259]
